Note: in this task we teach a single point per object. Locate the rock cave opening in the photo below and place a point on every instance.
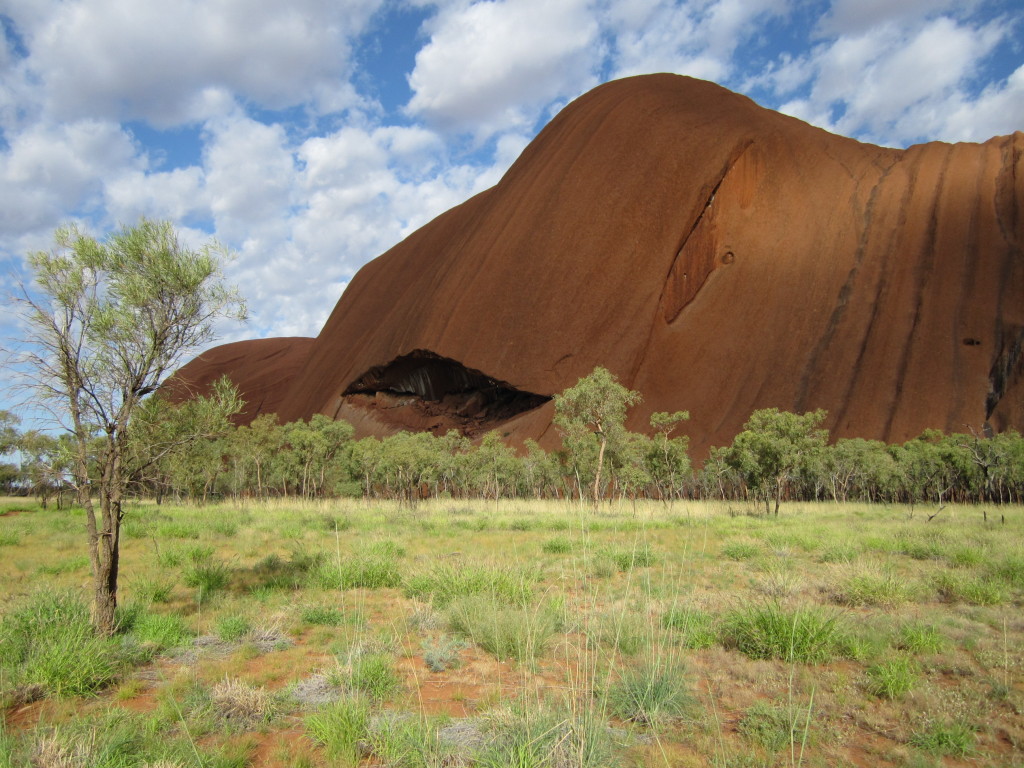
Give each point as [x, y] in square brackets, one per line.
[444, 392]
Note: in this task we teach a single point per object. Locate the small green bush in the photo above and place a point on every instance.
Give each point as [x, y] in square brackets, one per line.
[917, 637]
[322, 615]
[48, 641]
[559, 545]
[507, 632]
[447, 582]
[874, 588]
[809, 634]
[207, 576]
[774, 728]
[231, 629]
[650, 691]
[740, 550]
[968, 588]
[374, 675]
[892, 679]
[945, 738]
[340, 727]
[442, 654]
[639, 556]
[696, 627]
[161, 630]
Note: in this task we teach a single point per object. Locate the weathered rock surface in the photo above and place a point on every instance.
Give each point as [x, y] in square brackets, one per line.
[715, 255]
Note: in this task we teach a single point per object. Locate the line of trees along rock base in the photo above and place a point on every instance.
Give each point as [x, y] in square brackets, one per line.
[777, 457]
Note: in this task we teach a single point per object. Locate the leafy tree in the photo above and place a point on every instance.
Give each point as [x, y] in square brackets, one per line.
[593, 413]
[773, 448]
[667, 459]
[106, 324]
[170, 444]
[44, 464]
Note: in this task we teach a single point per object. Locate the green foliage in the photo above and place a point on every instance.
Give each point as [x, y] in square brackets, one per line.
[160, 630]
[233, 628]
[809, 634]
[340, 727]
[892, 679]
[774, 448]
[322, 615]
[442, 654]
[370, 571]
[531, 736]
[507, 632]
[650, 691]
[207, 576]
[446, 582]
[917, 637]
[696, 627]
[374, 674]
[741, 550]
[956, 586]
[591, 416]
[638, 556]
[775, 728]
[879, 587]
[945, 738]
[559, 545]
[47, 640]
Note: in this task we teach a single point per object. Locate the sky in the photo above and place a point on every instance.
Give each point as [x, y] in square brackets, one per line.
[310, 136]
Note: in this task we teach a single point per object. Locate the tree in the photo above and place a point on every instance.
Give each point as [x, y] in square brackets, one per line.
[106, 324]
[773, 448]
[668, 460]
[596, 406]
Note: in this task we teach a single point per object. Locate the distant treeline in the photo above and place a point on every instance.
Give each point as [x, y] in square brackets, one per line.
[778, 457]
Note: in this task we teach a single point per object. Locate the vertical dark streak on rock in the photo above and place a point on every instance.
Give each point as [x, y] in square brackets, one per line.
[922, 274]
[825, 340]
[881, 291]
[968, 279]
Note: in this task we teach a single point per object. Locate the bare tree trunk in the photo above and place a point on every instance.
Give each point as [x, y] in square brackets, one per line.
[597, 474]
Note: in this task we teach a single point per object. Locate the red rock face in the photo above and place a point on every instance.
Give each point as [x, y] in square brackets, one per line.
[716, 256]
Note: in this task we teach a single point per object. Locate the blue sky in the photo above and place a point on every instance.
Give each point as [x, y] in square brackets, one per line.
[310, 136]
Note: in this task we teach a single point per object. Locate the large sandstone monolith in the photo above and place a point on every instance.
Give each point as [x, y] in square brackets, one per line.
[715, 255]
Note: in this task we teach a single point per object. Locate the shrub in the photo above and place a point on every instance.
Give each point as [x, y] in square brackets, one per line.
[529, 735]
[1010, 570]
[442, 654]
[696, 627]
[649, 692]
[161, 630]
[740, 550]
[340, 727]
[207, 577]
[446, 582]
[966, 588]
[892, 679]
[774, 728]
[507, 632]
[916, 637]
[374, 674]
[945, 738]
[231, 629]
[322, 615]
[559, 545]
[875, 588]
[767, 631]
[639, 556]
[47, 641]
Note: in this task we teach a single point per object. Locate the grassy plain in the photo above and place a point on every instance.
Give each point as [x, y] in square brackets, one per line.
[518, 634]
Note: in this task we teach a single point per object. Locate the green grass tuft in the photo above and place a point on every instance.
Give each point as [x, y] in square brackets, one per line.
[810, 634]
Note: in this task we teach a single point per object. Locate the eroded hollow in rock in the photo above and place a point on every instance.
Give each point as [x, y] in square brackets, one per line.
[440, 392]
